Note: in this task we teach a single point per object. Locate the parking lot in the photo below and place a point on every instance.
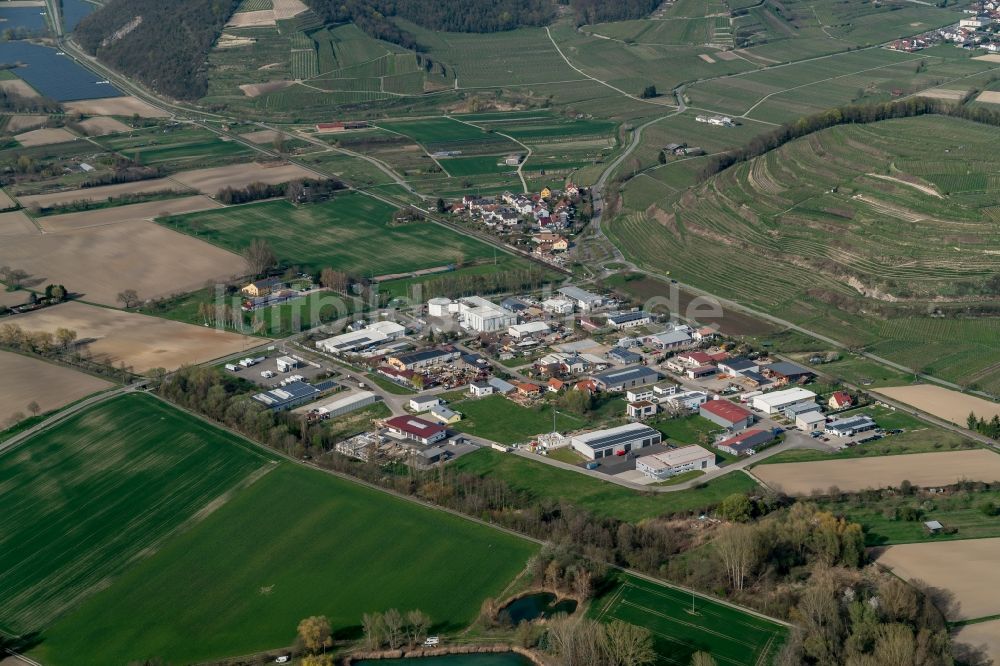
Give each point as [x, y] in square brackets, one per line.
[310, 371]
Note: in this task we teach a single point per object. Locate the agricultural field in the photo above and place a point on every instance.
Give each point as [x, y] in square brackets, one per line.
[116, 106]
[117, 215]
[135, 340]
[449, 134]
[177, 147]
[338, 233]
[545, 483]
[210, 181]
[86, 498]
[296, 543]
[683, 623]
[964, 569]
[943, 403]
[101, 193]
[856, 474]
[905, 228]
[25, 380]
[98, 262]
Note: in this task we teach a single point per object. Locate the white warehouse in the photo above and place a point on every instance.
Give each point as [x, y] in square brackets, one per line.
[778, 401]
[481, 315]
[675, 461]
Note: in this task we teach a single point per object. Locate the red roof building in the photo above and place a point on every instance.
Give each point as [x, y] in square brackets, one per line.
[417, 429]
[527, 388]
[556, 385]
[693, 359]
[841, 399]
[727, 414]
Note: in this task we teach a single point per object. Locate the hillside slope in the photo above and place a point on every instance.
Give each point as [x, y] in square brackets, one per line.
[162, 44]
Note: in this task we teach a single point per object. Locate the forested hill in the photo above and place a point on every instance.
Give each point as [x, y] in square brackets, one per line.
[599, 11]
[164, 44]
[449, 16]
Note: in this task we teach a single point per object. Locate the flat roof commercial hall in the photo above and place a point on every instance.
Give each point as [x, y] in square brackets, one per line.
[619, 380]
[484, 316]
[772, 403]
[374, 334]
[584, 300]
[345, 404]
[288, 396]
[727, 414]
[616, 441]
[675, 461]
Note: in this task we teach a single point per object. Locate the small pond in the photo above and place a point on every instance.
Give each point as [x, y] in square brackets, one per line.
[488, 659]
[537, 606]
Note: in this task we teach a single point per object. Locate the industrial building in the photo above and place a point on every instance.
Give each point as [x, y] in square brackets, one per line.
[346, 404]
[675, 461]
[286, 363]
[441, 307]
[687, 399]
[558, 306]
[479, 314]
[423, 403]
[530, 329]
[424, 358]
[416, 429]
[584, 300]
[788, 373]
[813, 421]
[727, 414]
[746, 443]
[377, 333]
[623, 320]
[619, 380]
[288, 396]
[850, 426]
[623, 356]
[773, 403]
[616, 441]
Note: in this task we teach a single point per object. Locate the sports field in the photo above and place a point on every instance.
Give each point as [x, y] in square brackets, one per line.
[298, 542]
[683, 624]
[83, 500]
[351, 233]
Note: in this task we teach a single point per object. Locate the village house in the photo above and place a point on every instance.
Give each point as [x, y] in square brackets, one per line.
[640, 409]
[416, 429]
[259, 288]
[840, 400]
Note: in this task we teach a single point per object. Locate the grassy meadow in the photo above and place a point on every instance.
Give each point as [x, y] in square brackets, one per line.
[298, 542]
[102, 489]
[350, 233]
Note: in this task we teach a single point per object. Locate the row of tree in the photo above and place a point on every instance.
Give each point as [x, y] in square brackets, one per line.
[989, 428]
[393, 629]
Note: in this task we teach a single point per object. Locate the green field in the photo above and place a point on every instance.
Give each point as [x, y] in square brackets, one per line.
[683, 624]
[298, 542]
[545, 482]
[498, 419]
[439, 134]
[86, 498]
[856, 208]
[349, 233]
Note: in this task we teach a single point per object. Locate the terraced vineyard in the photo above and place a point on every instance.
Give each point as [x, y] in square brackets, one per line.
[848, 223]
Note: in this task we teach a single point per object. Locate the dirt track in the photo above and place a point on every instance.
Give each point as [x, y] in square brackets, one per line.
[968, 569]
[140, 341]
[943, 403]
[24, 379]
[854, 474]
[99, 262]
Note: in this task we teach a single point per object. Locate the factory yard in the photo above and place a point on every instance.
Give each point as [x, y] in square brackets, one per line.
[136, 340]
[943, 403]
[24, 380]
[965, 569]
[855, 474]
[100, 262]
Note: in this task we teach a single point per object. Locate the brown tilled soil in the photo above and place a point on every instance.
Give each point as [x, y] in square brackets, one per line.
[22, 123]
[99, 262]
[45, 137]
[855, 474]
[210, 181]
[115, 106]
[985, 635]
[966, 569]
[100, 126]
[138, 340]
[24, 379]
[101, 193]
[16, 224]
[18, 87]
[943, 403]
[117, 214]
[257, 19]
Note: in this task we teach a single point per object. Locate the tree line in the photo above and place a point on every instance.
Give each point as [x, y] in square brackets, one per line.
[163, 44]
[307, 190]
[600, 11]
[989, 428]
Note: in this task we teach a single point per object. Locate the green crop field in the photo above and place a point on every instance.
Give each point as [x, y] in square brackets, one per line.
[470, 166]
[85, 499]
[544, 482]
[350, 233]
[683, 624]
[867, 220]
[440, 134]
[298, 542]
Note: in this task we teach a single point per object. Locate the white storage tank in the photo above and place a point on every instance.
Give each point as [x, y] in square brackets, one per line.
[438, 307]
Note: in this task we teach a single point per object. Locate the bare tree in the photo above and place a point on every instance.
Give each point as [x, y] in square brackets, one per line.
[738, 548]
[314, 632]
[702, 659]
[895, 645]
[65, 337]
[393, 620]
[629, 645]
[418, 624]
[259, 256]
[128, 298]
[374, 629]
[34, 408]
[15, 418]
[13, 277]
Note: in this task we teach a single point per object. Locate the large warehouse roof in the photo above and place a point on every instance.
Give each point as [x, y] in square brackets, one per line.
[784, 397]
[601, 439]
